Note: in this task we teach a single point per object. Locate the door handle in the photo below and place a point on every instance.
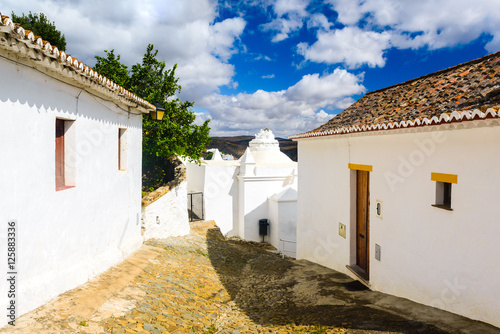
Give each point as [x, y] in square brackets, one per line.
[362, 236]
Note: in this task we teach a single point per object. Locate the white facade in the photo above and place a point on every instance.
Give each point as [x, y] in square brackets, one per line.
[236, 193]
[216, 180]
[167, 216]
[262, 175]
[283, 221]
[446, 259]
[64, 237]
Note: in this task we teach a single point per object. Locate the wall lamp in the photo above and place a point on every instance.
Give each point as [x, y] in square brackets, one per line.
[158, 114]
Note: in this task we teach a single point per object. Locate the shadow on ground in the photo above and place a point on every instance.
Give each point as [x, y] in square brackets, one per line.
[276, 291]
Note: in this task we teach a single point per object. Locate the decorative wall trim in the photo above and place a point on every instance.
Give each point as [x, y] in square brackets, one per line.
[454, 117]
[366, 168]
[441, 177]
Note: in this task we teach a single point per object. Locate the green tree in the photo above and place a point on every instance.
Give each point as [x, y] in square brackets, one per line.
[176, 134]
[40, 25]
[111, 67]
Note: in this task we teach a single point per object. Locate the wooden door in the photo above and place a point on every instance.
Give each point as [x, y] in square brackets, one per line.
[362, 220]
[59, 153]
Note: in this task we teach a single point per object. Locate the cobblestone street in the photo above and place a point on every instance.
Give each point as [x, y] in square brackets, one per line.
[205, 283]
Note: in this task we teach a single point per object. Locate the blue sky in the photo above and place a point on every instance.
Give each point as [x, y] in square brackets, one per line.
[289, 65]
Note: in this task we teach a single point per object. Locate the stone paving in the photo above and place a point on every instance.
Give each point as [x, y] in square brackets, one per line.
[205, 283]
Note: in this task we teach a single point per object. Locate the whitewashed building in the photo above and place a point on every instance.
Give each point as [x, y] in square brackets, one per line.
[70, 170]
[237, 193]
[401, 190]
[164, 211]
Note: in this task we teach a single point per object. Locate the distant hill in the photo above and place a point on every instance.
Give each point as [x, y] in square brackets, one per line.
[237, 145]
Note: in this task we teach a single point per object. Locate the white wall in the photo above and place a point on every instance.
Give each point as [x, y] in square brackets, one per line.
[283, 223]
[217, 181]
[195, 175]
[256, 191]
[64, 237]
[221, 196]
[446, 259]
[167, 216]
[236, 192]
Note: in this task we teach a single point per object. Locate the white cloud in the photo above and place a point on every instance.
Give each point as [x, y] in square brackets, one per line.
[424, 23]
[371, 27]
[269, 76]
[284, 7]
[349, 45]
[325, 90]
[494, 44]
[223, 35]
[349, 11]
[290, 18]
[262, 57]
[319, 21]
[202, 75]
[286, 112]
[183, 31]
[284, 27]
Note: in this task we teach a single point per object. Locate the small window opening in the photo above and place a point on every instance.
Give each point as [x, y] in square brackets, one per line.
[60, 180]
[65, 157]
[443, 195]
[122, 149]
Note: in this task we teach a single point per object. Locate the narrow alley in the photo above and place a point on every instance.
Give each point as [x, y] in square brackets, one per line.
[206, 283]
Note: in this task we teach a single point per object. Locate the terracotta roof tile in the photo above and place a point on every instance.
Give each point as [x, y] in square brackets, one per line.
[462, 88]
[11, 34]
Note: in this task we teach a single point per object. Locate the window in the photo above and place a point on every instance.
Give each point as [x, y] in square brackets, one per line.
[122, 149]
[60, 181]
[443, 189]
[65, 157]
[443, 195]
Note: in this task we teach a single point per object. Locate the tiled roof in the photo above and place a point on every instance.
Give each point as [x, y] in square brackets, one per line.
[463, 92]
[15, 38]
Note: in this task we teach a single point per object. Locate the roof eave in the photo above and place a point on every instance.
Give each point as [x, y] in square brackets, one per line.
[454, 117]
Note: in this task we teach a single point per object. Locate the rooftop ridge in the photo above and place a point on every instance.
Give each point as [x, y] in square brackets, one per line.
[444, 118]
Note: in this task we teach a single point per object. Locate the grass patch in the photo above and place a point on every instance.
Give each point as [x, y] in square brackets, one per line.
[84, 323]
[201, 253]
[210, 330]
